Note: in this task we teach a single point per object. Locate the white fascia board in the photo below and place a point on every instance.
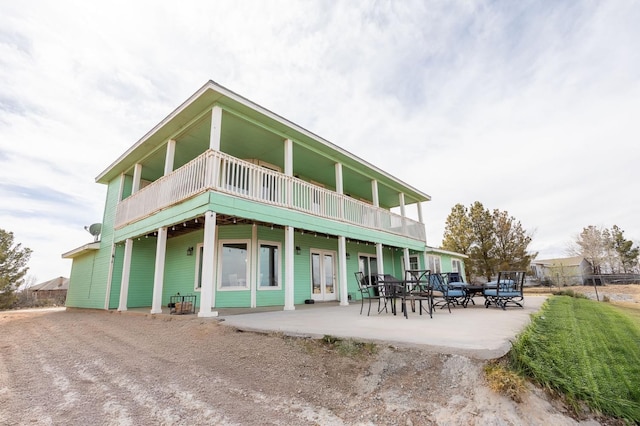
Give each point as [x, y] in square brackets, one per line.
[450, 253]
[81, 250]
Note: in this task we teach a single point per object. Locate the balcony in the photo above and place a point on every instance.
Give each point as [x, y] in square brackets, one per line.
[220, 172]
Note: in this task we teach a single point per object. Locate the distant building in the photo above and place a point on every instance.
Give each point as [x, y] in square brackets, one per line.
[562, 271]
[55, 289]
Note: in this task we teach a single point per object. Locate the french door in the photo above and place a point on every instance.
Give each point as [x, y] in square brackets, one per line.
[323, 275]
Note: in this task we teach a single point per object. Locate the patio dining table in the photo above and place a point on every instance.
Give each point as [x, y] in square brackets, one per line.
[471, 289]
[407, 290]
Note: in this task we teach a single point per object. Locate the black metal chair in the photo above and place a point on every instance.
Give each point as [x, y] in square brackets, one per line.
[416, 288]
[506, 291]
[370, 291]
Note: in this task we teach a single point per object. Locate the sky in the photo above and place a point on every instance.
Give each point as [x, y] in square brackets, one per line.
[529, 107]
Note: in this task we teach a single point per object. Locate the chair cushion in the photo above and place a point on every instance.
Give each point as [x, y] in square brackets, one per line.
[494, 292]
[456, 293]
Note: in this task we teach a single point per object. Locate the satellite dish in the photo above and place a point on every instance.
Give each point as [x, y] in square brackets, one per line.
[94, 230]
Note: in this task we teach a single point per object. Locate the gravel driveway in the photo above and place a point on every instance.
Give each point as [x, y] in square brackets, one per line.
[105, 368]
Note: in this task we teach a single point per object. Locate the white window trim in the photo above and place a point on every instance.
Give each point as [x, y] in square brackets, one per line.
[279, 263]
[456, 262]
[246, 286]
[439, 263]
[411, 256]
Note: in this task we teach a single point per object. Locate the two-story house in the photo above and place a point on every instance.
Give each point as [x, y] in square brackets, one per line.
[229, 201]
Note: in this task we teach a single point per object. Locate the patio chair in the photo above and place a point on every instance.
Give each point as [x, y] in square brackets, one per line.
[456, 281]
[506, 291]
[416, 288]
[446, 294]
[370, 291]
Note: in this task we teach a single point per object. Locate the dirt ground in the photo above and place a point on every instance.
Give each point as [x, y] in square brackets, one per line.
[106, 368]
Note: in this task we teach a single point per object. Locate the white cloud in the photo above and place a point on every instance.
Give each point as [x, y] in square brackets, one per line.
[524, 106]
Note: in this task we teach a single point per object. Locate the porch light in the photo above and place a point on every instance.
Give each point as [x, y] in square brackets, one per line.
[298, 250]
[190, 251]
[348, 256]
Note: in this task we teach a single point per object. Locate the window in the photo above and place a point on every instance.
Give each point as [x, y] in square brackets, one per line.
[233, 258]
[368, 265]
[413, 262]
[456, 265]
[269, 266]
[434, 264]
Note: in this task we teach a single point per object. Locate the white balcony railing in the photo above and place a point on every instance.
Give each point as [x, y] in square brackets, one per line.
[217, 171]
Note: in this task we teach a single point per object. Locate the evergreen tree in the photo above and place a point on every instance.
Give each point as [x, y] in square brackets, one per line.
[13, 261]
[627, 254]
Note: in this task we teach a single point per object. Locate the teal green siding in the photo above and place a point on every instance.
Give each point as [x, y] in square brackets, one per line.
[180, 269]
[272, 297]
[82, 294]
[141, 274]
[90, 280]
[116, 277]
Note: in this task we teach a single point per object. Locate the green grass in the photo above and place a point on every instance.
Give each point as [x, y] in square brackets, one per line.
[588, 351]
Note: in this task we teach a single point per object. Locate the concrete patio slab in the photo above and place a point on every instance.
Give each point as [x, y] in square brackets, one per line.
[476, 331]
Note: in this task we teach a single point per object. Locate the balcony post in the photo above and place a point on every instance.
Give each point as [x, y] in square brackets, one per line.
[207, 291]
[171, 153]
[126, 269]
[339, 189]
[376, 202]
[137, 177]
[403, 213]
[158, 277]
[374, 193]
[216, 128]
[288, 170]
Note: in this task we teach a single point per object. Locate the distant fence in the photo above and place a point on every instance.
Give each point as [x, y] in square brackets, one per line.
[560, 280]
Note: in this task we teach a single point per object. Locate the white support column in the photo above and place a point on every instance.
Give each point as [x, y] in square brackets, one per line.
[207, 291]
[425, 259]
[137, 177]
[420, 217]
[342, 270]
[171, 153]
[107, 293]
[374, 193]
[407, 264]
[380, 258]
[126, 269]
[255, 258]
[289, 250]
[216, 128]
[158, 276]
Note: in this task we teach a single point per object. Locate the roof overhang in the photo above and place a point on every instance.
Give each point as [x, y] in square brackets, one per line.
[449, 253]
[87, 248]
[211, 94]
